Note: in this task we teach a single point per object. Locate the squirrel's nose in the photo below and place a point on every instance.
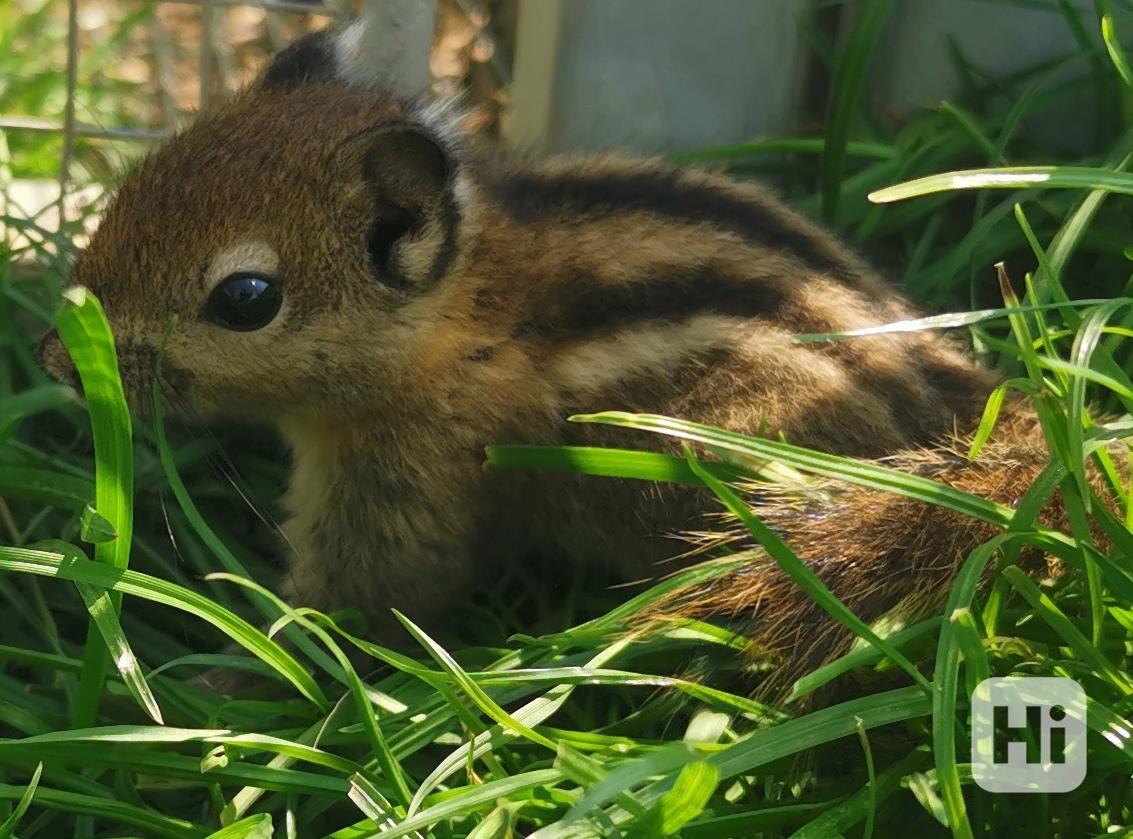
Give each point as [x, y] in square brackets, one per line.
[53, 357]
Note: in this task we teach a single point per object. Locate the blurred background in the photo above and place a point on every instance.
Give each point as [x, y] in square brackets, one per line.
[87, 86]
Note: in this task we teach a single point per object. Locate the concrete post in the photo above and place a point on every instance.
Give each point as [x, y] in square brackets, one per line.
[653, 75]
[390, 45]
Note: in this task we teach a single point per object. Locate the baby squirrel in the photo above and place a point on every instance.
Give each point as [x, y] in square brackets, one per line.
[342, 264]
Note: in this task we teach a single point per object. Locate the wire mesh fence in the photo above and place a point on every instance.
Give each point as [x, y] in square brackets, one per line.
[170, 59]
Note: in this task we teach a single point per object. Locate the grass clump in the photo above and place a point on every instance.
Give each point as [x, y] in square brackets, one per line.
[113, 534]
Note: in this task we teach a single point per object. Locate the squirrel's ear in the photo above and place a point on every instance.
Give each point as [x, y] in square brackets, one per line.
[409, 177]
[312, 58]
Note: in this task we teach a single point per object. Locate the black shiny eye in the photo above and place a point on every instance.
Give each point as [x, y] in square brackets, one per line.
[244, 302]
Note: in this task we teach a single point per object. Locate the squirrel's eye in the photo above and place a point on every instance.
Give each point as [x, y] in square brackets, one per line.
[243, 302]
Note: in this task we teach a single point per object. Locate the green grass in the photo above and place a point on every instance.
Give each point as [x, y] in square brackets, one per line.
[132, 563]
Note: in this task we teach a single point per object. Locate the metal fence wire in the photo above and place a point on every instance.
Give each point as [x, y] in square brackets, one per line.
[215, 68]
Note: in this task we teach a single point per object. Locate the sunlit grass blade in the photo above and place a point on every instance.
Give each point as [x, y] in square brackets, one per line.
[797, 735]
[473, 691]
[121, 655]
[144, 734]
[690, 794]
[1111, 725]
[314, 622]
[819, 727]
[1113, 45]
[946, 678]
[253, 827]
[369, 799]
[808, 460]
[602, 786]
[124, 581]
[967, 637]
[462, 802]
[614, 620]
[1010, 177]
[84, 330]
[946, 321]
[529, 715]
[609, 463]
[1066, 242]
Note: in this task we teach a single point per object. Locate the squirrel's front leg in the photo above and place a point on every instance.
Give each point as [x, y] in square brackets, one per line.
[380, 536]
[418, 583]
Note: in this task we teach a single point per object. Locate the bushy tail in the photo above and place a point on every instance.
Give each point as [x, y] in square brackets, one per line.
[878, 552]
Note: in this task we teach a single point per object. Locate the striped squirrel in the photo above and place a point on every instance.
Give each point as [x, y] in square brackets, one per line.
[344, 265]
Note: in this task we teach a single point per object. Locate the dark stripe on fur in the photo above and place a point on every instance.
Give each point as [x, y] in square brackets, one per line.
[310, 59]
[585, 306]
[665, 193]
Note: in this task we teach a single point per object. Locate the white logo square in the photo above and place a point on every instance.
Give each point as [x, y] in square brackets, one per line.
[1057, 711]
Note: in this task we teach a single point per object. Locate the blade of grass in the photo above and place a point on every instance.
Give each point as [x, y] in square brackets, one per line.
[1113, 45]
[946, 678]
[31, 483]
[859, 806]
[125, 662]
[808, 460]
[115, 812]
[795, 736]
[531, 714]
[148, 734]
[967, 638]
[613, 463]
[803, 575]
[849, 78]
[9, 825]
[947, 321]
[310, 620]
[1010, 177]
[864, 656]
[472, 690]
[102, 612]
[84, 330]
[125, 581]
[258, 826]
[464, 802]
[690, 794]
[1056, 619]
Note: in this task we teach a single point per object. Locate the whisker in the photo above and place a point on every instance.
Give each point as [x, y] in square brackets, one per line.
[222, 464]
[169, 529]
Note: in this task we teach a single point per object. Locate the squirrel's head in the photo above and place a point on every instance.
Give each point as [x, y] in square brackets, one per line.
[279, 236]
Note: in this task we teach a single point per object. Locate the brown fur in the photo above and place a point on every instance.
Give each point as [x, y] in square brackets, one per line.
[881, 554]
[521, 295]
